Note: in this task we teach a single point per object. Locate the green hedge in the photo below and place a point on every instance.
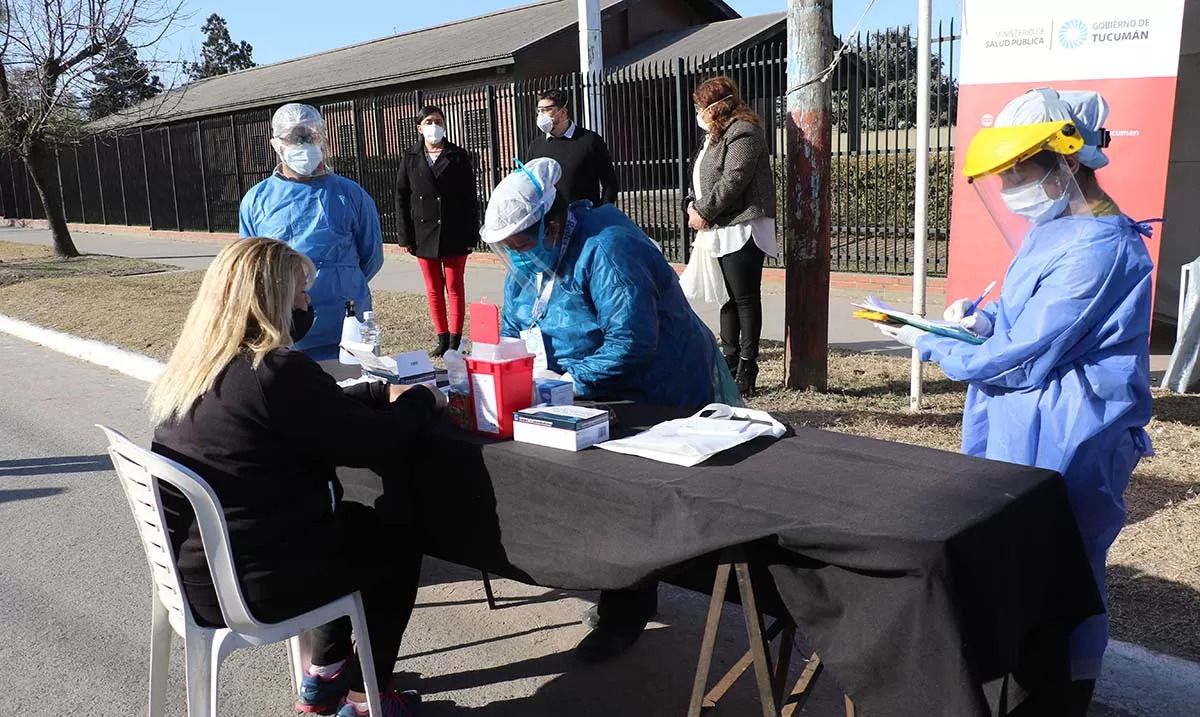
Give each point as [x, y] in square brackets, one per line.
[877, 192]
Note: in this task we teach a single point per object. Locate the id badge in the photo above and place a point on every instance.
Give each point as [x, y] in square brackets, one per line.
[536, 346]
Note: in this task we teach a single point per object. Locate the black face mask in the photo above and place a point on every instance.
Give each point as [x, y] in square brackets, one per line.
[302, 322]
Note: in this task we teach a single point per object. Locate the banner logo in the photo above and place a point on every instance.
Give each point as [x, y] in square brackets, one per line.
[1073, 34]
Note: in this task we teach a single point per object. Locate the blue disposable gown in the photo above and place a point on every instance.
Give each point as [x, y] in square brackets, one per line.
[1064, 382]
[332, 221]
[618, 322]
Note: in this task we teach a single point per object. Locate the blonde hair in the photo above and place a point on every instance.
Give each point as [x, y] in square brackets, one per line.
[245, 303]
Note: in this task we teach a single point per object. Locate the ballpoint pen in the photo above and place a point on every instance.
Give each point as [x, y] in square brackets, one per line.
[975, 304]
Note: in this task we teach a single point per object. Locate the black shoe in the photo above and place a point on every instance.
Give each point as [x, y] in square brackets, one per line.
[747, 376]
[1080, 697]
[731, 360]
[443, 345]
[591, 618]
[455, 341]
[605, 643]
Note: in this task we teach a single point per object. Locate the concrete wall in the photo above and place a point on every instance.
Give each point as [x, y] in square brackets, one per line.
[1181, 233]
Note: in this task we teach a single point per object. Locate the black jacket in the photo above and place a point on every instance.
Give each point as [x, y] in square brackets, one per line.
[437, 208]
[268, 441]
[587, 168]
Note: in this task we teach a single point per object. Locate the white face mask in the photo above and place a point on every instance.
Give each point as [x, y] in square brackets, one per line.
[434, 133]
[303, 159]
[1031, 201]
[700, 122]
[545, 123]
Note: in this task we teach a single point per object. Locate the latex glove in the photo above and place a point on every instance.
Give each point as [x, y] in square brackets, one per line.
[957, 311]
[977, 323]
[907, 335]
[547, 375]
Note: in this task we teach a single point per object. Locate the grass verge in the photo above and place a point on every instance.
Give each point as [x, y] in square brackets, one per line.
[1154, 568]
[26, 262]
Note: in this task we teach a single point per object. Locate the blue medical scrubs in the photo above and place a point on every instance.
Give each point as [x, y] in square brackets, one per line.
[332, 221]
[1064, 381]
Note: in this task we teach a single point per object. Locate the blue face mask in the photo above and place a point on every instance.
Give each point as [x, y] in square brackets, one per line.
[537, 258]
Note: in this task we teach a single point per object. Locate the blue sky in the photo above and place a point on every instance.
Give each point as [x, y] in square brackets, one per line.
[282, 30]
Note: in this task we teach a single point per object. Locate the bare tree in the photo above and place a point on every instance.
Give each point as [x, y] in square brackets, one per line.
[49, 53]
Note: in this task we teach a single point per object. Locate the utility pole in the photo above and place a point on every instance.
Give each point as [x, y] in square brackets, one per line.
[807, 195]
[921, 206]
[591, 65]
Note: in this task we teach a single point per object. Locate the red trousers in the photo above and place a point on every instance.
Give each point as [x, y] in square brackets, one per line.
[442, 277]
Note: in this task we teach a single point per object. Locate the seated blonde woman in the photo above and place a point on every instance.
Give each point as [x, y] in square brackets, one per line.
[266, 427]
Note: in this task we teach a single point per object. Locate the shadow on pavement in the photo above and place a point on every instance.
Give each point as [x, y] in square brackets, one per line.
[55, 465]
[11, 496]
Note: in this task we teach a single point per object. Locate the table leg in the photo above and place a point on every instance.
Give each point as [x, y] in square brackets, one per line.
[783, 658]
[709, 642]
[803, 689]
[487, 590]
[849, 707]
[730, 679]
[754, 629]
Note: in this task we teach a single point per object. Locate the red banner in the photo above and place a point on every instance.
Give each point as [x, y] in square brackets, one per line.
[1127, 53]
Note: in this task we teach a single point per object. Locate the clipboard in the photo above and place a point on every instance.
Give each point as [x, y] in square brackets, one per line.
[875, 310]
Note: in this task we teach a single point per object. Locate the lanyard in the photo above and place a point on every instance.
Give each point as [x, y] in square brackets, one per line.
[546, 288]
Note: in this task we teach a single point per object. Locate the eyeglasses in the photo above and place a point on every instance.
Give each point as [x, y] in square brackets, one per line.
[546, 109]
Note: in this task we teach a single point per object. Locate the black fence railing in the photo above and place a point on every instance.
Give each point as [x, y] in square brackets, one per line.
[192, 175]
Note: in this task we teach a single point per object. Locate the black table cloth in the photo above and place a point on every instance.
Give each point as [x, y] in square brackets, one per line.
[918, 575]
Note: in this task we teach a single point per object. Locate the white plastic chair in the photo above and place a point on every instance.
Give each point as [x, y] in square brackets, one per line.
[205, 648]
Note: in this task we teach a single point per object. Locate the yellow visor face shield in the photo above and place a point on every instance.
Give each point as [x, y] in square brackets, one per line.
[994, 150]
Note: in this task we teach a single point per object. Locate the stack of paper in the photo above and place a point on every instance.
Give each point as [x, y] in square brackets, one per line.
[875, 310]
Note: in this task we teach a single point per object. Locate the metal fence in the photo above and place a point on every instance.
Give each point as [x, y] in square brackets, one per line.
[191, 175]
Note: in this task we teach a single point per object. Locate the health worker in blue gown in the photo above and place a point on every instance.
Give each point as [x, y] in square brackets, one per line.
[599, 306]
[1062, 380]
[326, 217]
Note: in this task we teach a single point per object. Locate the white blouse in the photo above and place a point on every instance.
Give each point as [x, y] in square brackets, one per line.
[727, 240]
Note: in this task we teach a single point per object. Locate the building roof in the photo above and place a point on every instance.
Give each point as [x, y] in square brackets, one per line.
[477, 43]
[704, 45]
[701, 40]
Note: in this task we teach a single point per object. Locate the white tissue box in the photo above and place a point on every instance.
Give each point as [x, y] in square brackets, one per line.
[567, 428]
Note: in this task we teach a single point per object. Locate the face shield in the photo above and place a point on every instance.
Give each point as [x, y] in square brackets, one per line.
[299, 136]
[514, 226]
[1031, 194]
[1024, 177]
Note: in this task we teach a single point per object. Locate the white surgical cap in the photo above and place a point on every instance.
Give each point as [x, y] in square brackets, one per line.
[1088, 110]
[517, 203]
[294, 116]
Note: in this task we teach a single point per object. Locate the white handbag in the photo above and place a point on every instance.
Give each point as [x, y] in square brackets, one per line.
[689, 441]
[702, 279]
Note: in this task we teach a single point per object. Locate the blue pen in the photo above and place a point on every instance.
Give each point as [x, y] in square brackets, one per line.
[975, 305]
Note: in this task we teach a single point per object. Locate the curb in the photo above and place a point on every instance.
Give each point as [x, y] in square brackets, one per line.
[1141, 682]
[129, 363]
[1135, 679]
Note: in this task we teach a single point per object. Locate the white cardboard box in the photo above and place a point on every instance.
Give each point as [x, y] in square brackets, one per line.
[567, 428]
[411, 368]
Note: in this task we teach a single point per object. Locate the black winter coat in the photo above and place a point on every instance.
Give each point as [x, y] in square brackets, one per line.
[268, 441]
[437, 208]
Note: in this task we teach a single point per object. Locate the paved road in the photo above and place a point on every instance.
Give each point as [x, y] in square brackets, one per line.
[75, 593]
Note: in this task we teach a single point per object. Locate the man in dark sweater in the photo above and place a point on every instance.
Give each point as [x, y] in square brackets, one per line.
[587, 170]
